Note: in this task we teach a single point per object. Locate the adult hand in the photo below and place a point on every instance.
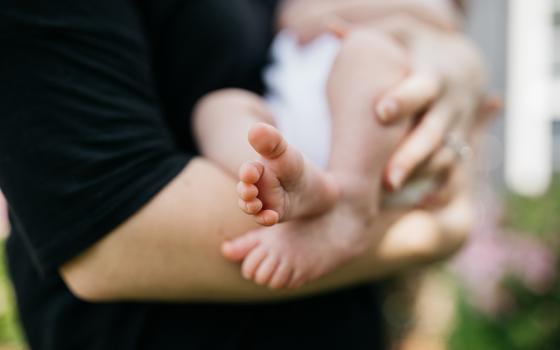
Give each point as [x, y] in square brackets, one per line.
[458, 176]
[426, 28]
[311, 18]
[453, 60]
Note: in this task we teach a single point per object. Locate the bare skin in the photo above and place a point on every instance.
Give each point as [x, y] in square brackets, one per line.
[427, 28]
[368, 65]
[170, 250]
[291, 254]
[310, 18]
[167, 253]
[283, 186]
[3, 216]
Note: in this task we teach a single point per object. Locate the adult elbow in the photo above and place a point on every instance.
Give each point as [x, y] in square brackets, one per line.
[85, 282]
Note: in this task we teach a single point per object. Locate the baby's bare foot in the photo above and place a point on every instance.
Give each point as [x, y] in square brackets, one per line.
[296, 252]
[282, 185]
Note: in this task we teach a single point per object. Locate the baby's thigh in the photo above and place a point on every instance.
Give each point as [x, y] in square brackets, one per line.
[366, 60]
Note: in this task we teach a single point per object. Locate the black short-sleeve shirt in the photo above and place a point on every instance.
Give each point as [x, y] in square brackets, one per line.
[95, 99]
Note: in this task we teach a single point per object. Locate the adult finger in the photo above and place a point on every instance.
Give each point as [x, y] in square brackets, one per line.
[441, 197]
[409, 98]
[423, 141]
[442, 161]
[452, 184]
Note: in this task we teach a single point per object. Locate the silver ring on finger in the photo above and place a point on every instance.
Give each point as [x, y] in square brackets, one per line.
[460, 149]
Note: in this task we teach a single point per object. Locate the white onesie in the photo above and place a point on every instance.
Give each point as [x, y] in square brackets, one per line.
[296, 93]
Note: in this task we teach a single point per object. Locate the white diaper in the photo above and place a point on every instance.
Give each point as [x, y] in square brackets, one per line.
[296, 93]
[296, 96]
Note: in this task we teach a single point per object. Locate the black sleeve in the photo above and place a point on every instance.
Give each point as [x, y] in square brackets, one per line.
[83, 144]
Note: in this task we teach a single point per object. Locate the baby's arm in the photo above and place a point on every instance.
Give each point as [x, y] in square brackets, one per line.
[233, 129]
[222, 120]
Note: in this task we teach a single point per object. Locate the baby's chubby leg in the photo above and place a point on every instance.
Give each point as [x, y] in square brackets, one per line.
[276, 181]
[367, 65]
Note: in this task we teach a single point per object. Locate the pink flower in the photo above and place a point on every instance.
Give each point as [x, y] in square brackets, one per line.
[492, 254]
[3, 215]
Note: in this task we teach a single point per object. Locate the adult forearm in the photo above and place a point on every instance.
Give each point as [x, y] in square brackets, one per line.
[170, 250]
[310, 18]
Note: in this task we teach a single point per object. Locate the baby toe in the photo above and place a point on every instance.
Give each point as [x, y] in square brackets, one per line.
[237, 249]
[246, 191]
[251, 208]
[266, 270]
[267, 141]
[251, 172]
[282, 275]
[252, 262]
[298, 279]
[267, 217]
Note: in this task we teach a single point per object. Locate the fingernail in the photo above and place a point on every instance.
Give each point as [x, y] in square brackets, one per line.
[387, 109]
[396, 177]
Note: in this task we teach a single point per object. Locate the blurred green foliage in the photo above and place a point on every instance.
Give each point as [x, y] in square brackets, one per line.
[532, 320]
[10, 332]
[531, 323]
[538, 216]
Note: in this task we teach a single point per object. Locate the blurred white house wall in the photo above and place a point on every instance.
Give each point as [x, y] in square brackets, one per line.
[487, 25]
[531, 89]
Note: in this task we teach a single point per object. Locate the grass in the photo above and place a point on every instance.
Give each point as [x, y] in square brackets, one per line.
[533, 320]
[537, 216]
[10, 333]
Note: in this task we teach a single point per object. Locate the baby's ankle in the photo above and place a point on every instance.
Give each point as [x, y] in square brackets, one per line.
[360, 192]
[319, 192]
